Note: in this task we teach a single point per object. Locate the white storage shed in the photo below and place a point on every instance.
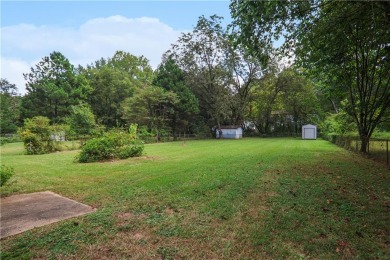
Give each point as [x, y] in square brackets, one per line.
[309, 132]
[229, 132]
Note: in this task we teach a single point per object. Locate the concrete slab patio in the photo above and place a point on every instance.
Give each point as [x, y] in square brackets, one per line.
[27, 211]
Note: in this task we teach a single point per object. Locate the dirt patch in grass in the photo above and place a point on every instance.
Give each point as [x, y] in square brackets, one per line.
[130, 215]
[169, 211]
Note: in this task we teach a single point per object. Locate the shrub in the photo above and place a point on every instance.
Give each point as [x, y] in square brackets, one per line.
[5, 174]
[133, 131]
[9, 139]
[143, 133]
[39, 125]
[34, 144]
[3, 141]
[112, 145]
[36, 135]
[81, 122]
[134, 150]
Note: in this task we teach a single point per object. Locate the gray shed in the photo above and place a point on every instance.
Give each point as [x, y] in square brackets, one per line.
[230, 132]
[309, 132]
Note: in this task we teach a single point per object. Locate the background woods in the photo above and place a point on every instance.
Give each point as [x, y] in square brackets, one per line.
[331, 70]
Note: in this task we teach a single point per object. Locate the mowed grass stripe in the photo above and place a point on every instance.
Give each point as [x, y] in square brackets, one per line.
[249, 198]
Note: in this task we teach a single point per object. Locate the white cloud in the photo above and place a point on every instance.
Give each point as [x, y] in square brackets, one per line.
[12, 70]
[25, 44]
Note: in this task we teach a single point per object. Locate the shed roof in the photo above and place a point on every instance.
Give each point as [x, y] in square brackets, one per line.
[230, 126]
[309, 125]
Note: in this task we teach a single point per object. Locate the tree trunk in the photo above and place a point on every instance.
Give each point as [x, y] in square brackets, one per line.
[267, 125]
[336, 110]
[365, 142]
[55, 112]
[219, 129]
[296, 129]
[174, 128]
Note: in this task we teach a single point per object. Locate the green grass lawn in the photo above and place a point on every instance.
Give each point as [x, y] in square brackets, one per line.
[210, 199]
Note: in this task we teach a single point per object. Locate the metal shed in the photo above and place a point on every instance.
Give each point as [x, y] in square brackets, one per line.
[229, 132]
[309, 132]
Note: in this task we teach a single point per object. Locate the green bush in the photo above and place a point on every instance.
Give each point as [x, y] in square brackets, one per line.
[11, 139]
[36, 135]
[5, 174]
[34, 144]
[339, 124]
[3, 141]
[133, 128]
[112, 145]
[144, 133]
[134, 150]
[381, 135]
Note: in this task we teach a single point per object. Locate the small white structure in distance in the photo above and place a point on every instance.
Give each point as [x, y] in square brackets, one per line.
[229, 132]
[309, 132]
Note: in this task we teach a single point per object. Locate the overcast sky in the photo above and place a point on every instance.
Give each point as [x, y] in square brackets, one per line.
[85, 31]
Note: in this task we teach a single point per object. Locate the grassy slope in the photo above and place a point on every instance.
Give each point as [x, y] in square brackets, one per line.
[247, 199]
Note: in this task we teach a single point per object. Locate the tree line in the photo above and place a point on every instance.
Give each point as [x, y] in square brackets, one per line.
[203, 82]
[215, 76]
[343, 47]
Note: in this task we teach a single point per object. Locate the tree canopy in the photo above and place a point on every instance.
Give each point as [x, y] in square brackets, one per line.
[200, 54]
[9, 107]
[112, 81]
[151, 106]
[235, 75]
[52, 87]
[170, 77]
[341, 42]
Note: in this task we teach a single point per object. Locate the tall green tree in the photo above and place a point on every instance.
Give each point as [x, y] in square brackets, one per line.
[283, 102]
[200, 54]
[81, 121]
[151, 106]
[170, 77]
[346, 41]
[136, 68]
[110, 88]
[52, 87]
[113, 80]
[298, 98]
[8, 88]
[9, 107]
[243, 70]
[263, 100]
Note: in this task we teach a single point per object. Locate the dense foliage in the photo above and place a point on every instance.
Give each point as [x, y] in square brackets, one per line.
[5, 174]
[219, 73]
[152, 107]
[112, 81]
[204, 81]
[282, 103]
[344, 45]
[112, 145]
[81, 121]
[332, 67]
[36, 135]
[53, 86]
[9, 107]
[170, 77]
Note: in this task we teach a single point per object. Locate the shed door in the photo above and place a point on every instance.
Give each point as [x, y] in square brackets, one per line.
[309, 133]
